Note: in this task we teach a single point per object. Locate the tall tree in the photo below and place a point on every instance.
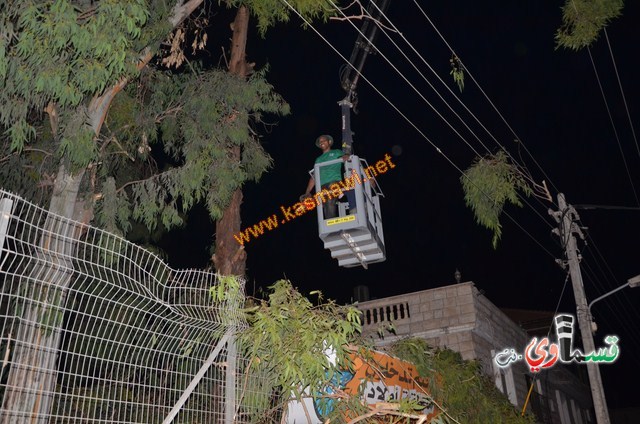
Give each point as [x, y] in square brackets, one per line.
[229, 257]
[67, 60]
[76, 129]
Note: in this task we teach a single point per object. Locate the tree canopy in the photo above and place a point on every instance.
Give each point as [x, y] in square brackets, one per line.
[84, 94]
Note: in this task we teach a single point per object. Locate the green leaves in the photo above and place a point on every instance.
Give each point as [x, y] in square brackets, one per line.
[458, 386]
[582, 21]
[63, 52]
[457, 71]
[488, 184]
[270, 12]
[113, 215]
[200, 117]
[289, 340]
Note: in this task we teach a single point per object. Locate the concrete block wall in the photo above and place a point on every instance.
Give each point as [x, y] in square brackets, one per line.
[444, 316]
[457, 317]
[460, 318]
[495, 332]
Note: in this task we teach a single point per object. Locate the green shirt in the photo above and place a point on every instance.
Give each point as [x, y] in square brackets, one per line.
[330, 173]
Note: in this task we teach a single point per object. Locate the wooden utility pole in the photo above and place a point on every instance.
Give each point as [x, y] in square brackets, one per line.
[566, 217]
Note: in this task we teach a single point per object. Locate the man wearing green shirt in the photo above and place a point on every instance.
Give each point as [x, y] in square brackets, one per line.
[330, 174]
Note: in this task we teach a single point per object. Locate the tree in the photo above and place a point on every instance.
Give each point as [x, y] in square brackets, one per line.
[287, 343]
[65, 65]
[493, 180]
[67, 60]
[229, 257]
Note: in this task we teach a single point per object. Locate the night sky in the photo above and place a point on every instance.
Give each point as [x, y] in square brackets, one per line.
[551, 99]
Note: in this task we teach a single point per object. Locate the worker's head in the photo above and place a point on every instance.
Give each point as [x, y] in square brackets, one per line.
[324, 137]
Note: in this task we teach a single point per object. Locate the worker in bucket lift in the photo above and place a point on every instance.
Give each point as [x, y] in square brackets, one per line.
[330, 174]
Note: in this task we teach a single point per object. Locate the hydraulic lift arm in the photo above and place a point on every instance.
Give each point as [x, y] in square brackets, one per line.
[351, 73]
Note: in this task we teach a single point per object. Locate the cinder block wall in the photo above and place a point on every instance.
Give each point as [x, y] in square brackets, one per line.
[457, 317]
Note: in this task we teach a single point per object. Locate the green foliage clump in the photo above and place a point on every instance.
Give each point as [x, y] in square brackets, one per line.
[460, 387]
[457, 71]
[61, 64]
[270, 12]
[488, 184]
[62, 52]
[200, 118]
[582, 21]
[289, 339]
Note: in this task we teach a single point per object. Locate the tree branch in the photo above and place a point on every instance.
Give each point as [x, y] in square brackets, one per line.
[363, 15]
[26, 149]
[99, 105]
[182, 10]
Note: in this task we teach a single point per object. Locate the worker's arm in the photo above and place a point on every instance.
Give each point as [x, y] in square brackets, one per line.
[310, 185]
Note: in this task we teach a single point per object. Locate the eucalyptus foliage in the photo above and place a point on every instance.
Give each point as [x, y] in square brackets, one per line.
[62, 52]
[289, 340]
[192, 120]
[459, 386]
[270, 12]
[582, 21]
[457, 71]
[488, 184]
[68, 66]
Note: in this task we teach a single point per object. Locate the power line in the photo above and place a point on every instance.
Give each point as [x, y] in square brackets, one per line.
[487, 97]
[617, 312]
[381, 27]
[436, 147]
[624, 99]
[613, 125]
[608, 207]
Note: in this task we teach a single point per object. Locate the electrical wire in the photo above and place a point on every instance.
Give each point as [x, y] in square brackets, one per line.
[436, 147]
[382, 28]
[623, 303]
[411, 123]
[564, 239]
[555, 312]
[498, 112]
[608, 110]
[495, 108]
[618, 316]
[613, 126]
[624, 99]
[433, 108]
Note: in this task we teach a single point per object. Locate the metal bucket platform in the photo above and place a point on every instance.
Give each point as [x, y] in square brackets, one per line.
[353, 239]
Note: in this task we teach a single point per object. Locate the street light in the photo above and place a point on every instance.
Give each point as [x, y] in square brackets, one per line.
[632, 282]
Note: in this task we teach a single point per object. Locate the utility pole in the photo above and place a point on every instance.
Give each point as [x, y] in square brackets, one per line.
[567, 227]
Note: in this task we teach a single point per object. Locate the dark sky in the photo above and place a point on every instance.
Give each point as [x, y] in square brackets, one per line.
[550, 98]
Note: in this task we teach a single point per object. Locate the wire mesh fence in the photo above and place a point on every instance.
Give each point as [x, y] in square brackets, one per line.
[95, 329]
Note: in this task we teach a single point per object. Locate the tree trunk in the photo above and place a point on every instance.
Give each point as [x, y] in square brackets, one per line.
[33, 372]
[230, 257]
[42, 295]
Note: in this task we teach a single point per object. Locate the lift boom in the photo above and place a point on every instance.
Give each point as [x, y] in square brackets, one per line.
[355, 238]
[350, 74]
